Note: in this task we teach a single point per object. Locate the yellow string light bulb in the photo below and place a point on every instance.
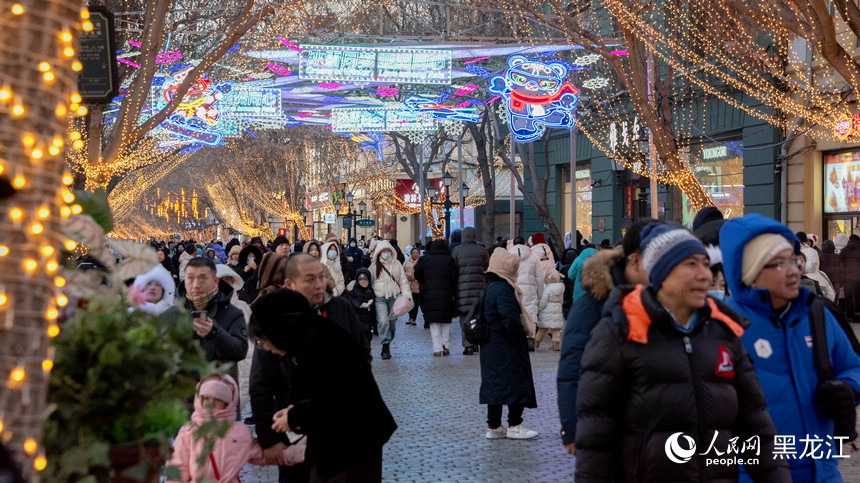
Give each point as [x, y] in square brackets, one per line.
[60, 111]
[18, 374]
[5, 94]
[17, 9]
[43, 213]
[16, 214]
[77, 209]
[68, 179]
[47, 365]
[65, 212]
[1, 425]
[58, 142]
[47, 250]
[82, 111]
[60, 282]
[18, 110]
[78, 144]
[51, 267]
[30, 446]
[48, 76]
[4, 250]
[28, 140]
[44, 66]
[53, 150]
[62, 300]
[52, 314]
[85, 13]
[69, 52]
[40, 463]
[71, 245]
[87, 26]
[18, 182]
[30, 264]
[76, 98]
[37, 228]
[3, 299]
[66, 37]
[74, 135]
[37, 154]
[68, 196]
[76, 66]
[53, 330]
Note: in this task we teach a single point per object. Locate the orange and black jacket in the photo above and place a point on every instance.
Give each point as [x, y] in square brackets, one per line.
[644, 380]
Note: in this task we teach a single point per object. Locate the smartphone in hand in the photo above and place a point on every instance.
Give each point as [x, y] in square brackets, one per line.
[198, 314]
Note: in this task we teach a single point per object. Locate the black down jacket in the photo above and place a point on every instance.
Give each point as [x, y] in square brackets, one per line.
[644, 381]
[437, 275]
[472, 262]
[506, 370]
[850, 256]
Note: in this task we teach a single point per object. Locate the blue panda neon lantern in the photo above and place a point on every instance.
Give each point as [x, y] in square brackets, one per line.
[538, 96]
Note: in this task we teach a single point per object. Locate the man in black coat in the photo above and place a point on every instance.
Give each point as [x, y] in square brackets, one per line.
[850, 256]
[472, 261]
[334, 400]
[436, 273]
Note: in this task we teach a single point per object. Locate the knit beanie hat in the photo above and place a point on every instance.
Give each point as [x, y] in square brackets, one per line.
[707, 224]
[759, 251]
[218, 389]
[537, 238]
[664, 246]
[279, 240]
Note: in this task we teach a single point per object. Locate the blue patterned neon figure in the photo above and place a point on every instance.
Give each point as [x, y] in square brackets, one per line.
[538, 96]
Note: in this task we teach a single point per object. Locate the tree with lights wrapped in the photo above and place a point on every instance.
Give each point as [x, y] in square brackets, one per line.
[37, 82]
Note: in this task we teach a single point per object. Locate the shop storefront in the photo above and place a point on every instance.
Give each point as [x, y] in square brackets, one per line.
[583, 200]
[719, 168]
[841, 193]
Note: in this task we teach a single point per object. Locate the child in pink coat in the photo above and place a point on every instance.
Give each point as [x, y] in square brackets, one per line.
[217, 397]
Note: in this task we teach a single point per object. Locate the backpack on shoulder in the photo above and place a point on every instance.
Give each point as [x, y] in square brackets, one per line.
[846, 424]
[476, 330]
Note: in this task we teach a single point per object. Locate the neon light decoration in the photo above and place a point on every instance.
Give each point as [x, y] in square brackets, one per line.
[373, 141]
[375, 64]
[538, 96]
[381, 119]
[289, 44]
[596, 83]
[132, 42]
[168, 57]
[443, 112]
[278, 69]
[329, 85]
[476, 60]
[128, 62]
[478, 71]
[466, 90]
[387, 91]
[618, 52]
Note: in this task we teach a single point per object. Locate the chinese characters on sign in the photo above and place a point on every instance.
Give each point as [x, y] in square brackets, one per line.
[845, 127]
[366, 64]
[97, 79]
[381, 119]
[736, 452]
[627, 133]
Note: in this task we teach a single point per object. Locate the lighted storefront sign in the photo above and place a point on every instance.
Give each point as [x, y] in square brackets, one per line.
[719, 169]
[842, 182]
[538, 96]
[375, 64]
[381, 119]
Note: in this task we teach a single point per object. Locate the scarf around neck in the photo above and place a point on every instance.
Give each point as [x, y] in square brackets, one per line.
[202, 302]
[506, 266]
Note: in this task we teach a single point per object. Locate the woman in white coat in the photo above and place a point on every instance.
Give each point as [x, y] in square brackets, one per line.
[331, 260]
[157, 287]
[389, 282]
[529, 279]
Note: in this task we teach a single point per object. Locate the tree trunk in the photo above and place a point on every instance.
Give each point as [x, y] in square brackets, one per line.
[30, 38]
[536, 199]
[488, 177]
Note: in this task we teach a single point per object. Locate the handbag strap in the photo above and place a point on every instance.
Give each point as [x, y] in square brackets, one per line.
[820, 355]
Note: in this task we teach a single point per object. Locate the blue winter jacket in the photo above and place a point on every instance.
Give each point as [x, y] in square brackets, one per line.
[575, 272]
[781, 350]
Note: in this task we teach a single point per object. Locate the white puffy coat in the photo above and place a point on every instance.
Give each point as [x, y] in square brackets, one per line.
[385, 285]
[546, 261]
[811, 270]
[529, 279]
[333, 266]
[551, 314]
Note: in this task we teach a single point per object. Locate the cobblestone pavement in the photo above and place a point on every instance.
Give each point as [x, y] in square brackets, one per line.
[440, 437]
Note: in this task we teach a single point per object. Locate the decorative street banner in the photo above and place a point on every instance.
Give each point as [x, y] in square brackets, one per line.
[375, 64]
[381, 119]
[538, 96]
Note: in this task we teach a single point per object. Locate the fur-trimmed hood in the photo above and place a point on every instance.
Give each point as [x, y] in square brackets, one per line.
[597, 272]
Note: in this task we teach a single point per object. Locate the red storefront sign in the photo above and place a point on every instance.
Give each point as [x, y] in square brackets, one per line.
[408, 194]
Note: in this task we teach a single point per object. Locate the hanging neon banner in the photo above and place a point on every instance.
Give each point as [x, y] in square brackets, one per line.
[443, 112]
[375, 64]
[381, 119]
[538, 96]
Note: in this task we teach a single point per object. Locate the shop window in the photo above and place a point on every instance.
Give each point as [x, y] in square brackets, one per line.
[583, 200]
[719, 168]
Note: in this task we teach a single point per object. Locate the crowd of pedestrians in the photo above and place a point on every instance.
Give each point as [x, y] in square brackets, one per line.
[669, 333]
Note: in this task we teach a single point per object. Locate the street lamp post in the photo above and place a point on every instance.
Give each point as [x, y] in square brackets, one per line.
[351, 214]
[447, 180]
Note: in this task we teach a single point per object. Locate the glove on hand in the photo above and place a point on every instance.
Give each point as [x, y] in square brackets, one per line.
[835, 398]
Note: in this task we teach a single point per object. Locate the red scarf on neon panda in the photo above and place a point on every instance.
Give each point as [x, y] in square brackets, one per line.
[519, 100]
